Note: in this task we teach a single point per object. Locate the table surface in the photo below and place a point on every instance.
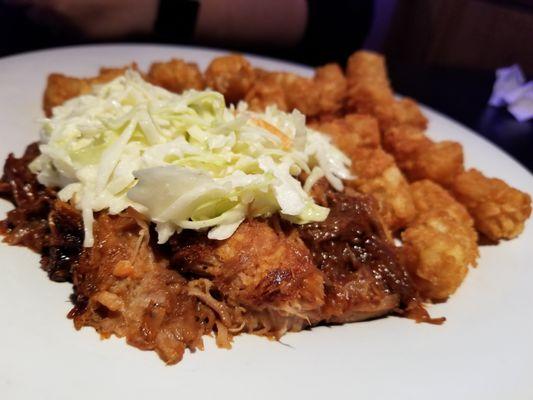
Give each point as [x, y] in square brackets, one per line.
[463, 96]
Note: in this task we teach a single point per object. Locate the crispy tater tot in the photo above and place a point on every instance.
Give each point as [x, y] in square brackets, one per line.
[266, 90]
[429, 196]
[331, 85]
[401, 122]
[375, 171]
[436, 254]
[377, 174]
[420, 158]
[369, 92]
[60, 88]
[440, 162]
[405, 112]
[440, 244]
[299, 92]
[231, 75]
[404, 142]
[499, 210]
[324, 94]
[176, 75]
[368, 69]
[107, 74]
[263, 94]
[352, 131]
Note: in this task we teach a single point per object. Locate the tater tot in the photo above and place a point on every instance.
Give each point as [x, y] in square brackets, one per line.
[420, 158]
[441, 242]
[331, 85]
[107, 74]
[440, 162]
[176, 75]
[369, 92]
[262, 94]
[367, 67]
[404, 143]
[499, 210]
[322, 95]
[299, 92]
[405, 112]
[428, 196]
[60, 88]
[231, 75]
[375, 171]
[377, 174]
[369, 99]
[352, 131]
[437, 250]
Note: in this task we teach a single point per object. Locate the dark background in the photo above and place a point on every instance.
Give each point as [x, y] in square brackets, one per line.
[442, 52]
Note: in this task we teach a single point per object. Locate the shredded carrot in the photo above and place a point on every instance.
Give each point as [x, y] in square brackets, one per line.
[285, 140]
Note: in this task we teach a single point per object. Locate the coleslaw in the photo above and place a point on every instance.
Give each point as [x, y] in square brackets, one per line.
[184, 161]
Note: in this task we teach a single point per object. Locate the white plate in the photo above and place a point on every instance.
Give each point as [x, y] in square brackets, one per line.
[483, 351]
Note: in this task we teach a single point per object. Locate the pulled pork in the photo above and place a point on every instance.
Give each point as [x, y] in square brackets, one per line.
[269, 278]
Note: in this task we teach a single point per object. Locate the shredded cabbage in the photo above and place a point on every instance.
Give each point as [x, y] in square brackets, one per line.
[184, 161]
